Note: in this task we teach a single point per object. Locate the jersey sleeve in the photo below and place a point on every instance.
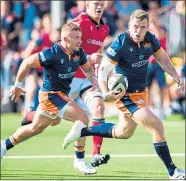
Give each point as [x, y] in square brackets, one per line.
[113, 51]
[45, 57]
[83, 57]
[155, 42]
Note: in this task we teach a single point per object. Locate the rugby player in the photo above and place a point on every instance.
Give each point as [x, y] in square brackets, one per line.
[94, 31]
[129, 54]
[60, 63]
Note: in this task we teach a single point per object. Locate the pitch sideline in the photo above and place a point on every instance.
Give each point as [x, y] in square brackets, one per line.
[89, 156]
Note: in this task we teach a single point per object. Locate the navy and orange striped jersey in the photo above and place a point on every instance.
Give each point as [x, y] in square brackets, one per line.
[59, 67]
[131, 59]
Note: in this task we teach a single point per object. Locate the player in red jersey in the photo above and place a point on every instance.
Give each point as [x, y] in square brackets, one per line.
[94, 31]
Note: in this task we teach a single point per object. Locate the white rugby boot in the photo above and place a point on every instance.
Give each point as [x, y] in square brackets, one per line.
[74, 134]
[84, 167]
[178, 175]
[3, 149]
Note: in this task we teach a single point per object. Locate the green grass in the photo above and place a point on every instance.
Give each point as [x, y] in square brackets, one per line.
[50, 143]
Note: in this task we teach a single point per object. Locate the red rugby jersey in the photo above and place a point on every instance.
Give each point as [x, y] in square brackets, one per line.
[92, 36]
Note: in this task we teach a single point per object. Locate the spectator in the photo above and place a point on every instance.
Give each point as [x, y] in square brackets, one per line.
[30, 14]
[76, 10]
[125, 8]
[11, 25]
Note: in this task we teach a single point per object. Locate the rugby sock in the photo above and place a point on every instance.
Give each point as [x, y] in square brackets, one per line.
[10, 142]
[97, 140]
[79, 151]
[163, 152]
[28, 118]
[103, 130]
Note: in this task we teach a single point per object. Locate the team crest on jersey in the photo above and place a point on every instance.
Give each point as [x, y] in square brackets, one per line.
[111, 52]
[141, 57]
[147, 45]
[69, 69]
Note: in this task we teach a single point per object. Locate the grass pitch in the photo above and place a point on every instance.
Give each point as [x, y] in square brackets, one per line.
[52, 161]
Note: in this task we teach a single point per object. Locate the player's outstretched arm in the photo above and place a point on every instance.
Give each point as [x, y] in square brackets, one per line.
[166, 64]
[30, 62]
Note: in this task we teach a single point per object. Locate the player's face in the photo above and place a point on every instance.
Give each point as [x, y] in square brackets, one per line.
[95, 9]
[138, 29]
[74, 40]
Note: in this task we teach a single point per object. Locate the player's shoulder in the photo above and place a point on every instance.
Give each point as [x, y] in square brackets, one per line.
[81, 18]
[81, 52]
[150, 36]
[51, 51]
[121, 38]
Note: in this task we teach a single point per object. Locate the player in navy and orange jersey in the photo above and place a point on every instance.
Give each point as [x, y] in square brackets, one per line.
[60, 63]
[94, 31]
[129, 54]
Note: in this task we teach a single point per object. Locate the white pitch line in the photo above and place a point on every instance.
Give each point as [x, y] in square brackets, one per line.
[89, 156]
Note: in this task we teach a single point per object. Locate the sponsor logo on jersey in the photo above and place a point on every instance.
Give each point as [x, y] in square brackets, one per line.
[66, 76]
[111, 52]
[94, 42]
[43, 58]
[131, 49]
[140, 63]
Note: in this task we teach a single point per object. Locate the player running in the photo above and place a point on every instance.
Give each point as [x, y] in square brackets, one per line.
[94, 31]
[129, 56]
[60, 63]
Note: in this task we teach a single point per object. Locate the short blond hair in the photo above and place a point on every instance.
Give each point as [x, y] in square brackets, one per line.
[70, 27]
[140, 15]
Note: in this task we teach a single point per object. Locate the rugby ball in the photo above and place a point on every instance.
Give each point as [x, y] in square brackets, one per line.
[118, 82]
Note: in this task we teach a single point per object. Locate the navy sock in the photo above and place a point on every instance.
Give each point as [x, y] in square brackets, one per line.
[103, 130]
[163, 152]
[80, 151]
[9, 144]
[80, 154]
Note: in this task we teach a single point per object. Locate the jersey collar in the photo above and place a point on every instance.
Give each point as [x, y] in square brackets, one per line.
[94, 22]
[64, 50]
[132, 42]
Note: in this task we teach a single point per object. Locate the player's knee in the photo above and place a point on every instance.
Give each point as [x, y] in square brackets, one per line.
[84, 118]
[98, 106]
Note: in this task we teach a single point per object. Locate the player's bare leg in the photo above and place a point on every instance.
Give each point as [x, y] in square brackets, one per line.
[95, 103]
[38, 125]
[71, 115]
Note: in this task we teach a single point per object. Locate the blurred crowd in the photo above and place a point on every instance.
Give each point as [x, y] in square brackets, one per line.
[26, 28]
